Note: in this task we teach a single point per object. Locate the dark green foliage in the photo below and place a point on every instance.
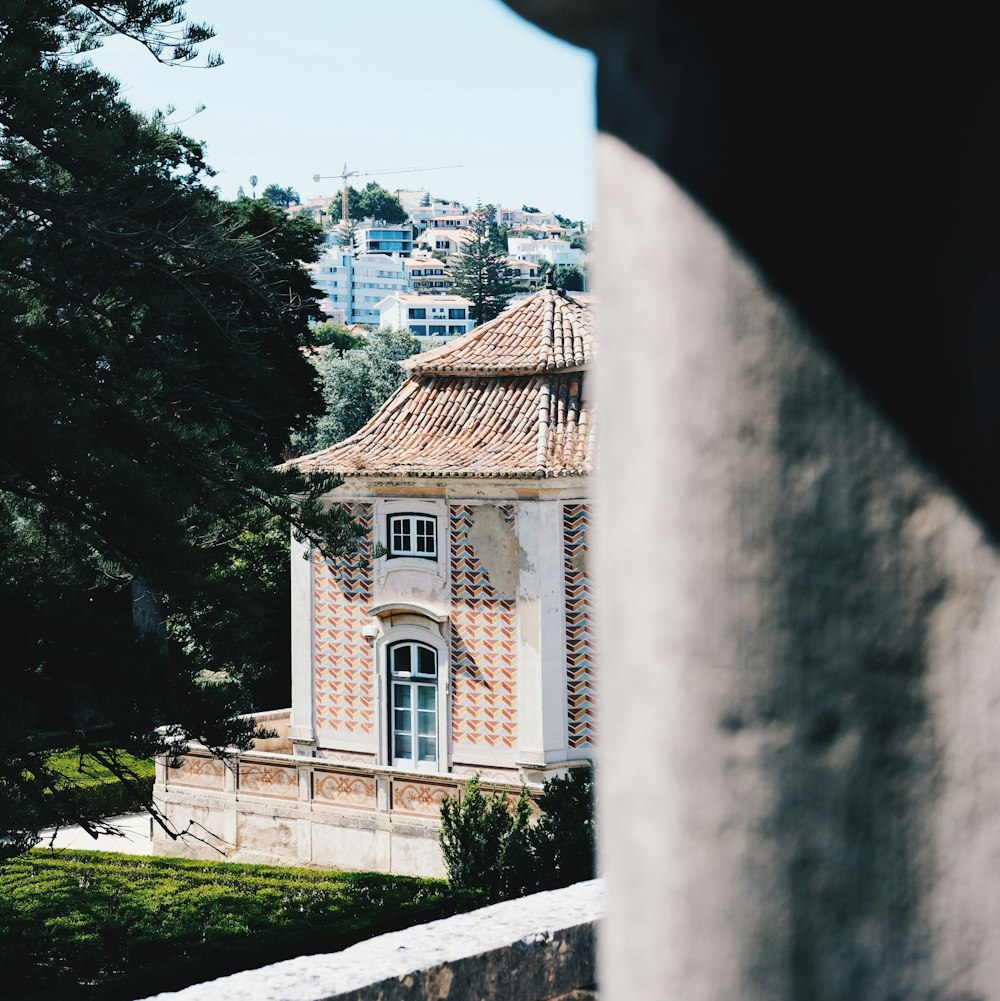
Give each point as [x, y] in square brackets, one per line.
[498, 238]
[490, 848]
[371, 202]
[566, 276]
[562, 841]
[150, 373]
[485, 843]
[97, 925]
[578, 243]
[480, 271]
[337, 337]
[282, 197]
[356, 383]
[426, 200]
[530, 208]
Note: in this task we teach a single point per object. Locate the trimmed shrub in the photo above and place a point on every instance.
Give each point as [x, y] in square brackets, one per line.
[485, 843]
[494, 850]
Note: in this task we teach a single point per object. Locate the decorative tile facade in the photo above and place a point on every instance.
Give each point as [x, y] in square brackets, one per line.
[483, 644]
[342, 657]
[579, 642]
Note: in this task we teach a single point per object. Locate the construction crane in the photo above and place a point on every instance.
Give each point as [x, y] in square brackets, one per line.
[345, 174]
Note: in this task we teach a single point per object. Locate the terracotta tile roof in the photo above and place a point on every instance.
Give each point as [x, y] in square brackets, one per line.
[546, 331]
[508, 399]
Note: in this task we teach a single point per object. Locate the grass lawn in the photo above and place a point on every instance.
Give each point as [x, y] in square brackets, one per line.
[77, 924]
[89, 788]
[92, 773]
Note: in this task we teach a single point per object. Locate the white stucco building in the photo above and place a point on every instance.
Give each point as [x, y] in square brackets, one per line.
[455, 639]
[355, 284]
[554, 251]
[427, 315]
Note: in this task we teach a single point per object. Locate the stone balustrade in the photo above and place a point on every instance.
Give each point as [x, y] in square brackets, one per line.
[273, 806]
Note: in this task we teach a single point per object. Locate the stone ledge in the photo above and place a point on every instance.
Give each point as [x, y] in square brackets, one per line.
[531, 949]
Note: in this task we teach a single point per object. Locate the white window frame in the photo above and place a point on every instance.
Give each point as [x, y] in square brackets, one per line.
[429, 636]
[417, 524]
[385, 509]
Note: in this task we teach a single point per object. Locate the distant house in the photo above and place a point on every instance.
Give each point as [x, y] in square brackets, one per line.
[515, 219]
[524, 273]
[554, 251]
[455, 640]
[428, 274]
[444, 241]
[427, 315]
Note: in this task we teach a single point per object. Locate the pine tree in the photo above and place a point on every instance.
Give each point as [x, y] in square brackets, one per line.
[150, 371]
[480, 272]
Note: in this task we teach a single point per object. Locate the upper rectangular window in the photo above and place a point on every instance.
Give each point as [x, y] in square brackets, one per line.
[417, 314]
[413, 535]
[456, 314]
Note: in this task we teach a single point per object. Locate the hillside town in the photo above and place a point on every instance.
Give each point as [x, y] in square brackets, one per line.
[400, 271]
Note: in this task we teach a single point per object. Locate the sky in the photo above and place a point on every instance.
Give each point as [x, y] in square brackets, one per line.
[309, 85]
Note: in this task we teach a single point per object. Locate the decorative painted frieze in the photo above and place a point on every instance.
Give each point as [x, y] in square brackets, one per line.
[267, 780]
[421, 799]
[344, 789]
[198, 772]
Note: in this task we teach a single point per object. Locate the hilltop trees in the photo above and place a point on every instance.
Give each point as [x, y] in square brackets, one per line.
[371, 202]
[480, 271]
[357, 378]
[150, 371]
[282, 197]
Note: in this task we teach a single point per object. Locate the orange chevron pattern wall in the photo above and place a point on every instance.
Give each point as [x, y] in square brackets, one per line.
[342, 657]
[579, 644]
[483, 644]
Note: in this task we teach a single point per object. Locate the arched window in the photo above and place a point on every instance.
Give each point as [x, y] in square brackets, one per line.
[413, 705]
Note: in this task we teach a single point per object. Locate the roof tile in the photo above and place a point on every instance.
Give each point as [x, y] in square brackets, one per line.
[507, 399]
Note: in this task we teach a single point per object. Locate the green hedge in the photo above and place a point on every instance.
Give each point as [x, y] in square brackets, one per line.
[77, 924]
[91, 790]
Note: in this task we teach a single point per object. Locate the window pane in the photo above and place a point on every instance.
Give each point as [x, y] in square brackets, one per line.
[427, 661]
[401, 696]
[401, 660]
[400, 532]
[403, 747]
[428, 748]
[401, 721]
[427, 723]
[425, 535]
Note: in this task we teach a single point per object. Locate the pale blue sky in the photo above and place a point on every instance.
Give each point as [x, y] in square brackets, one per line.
[310, 84]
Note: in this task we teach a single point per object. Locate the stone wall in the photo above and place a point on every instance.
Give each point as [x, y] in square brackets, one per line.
[539, 948]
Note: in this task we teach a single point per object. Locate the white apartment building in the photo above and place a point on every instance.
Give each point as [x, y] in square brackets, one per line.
[447, 241]
[519, 219]
[377, 238]
[524, 273]
[427, 315]
[553, 251]
[354, 286]
[438, 209]
[428, 274]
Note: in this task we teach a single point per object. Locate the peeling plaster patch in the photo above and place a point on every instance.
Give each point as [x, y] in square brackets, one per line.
[495, 543]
